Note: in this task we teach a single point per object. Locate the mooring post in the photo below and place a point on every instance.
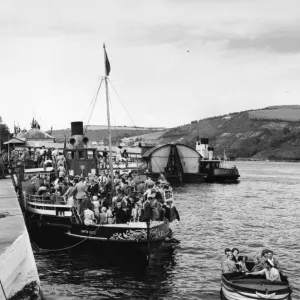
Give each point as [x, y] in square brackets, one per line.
[148, 239]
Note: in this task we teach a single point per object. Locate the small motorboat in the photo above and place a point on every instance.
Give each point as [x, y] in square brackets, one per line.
[238, 286]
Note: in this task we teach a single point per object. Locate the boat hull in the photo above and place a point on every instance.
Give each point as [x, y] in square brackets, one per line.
[122, 236]
[223, 175]
[238, 287]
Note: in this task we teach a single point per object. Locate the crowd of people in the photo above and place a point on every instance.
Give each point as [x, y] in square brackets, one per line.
[131, 199]
[264, 264]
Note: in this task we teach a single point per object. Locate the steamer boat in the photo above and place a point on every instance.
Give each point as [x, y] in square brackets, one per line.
[54, 212]
[215, 170]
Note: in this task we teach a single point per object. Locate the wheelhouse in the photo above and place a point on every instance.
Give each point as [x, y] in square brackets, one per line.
[81, 161]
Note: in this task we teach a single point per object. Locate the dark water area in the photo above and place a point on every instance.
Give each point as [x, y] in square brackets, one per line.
[261, 211]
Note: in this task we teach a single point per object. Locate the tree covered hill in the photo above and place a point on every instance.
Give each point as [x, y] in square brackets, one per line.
[100, 132]
[269, 133]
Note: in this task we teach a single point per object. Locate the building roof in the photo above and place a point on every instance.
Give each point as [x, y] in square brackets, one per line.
[15, 140]
[35, 134]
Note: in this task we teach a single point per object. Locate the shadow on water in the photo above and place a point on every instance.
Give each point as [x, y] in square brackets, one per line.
[102, 273]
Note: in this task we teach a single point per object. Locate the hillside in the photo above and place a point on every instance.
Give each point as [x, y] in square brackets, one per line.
[270, 133]
[100, 132]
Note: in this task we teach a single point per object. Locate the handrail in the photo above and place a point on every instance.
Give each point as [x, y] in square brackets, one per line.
[39, 199]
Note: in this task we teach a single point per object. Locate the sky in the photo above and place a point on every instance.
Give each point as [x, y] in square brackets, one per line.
[172, 61]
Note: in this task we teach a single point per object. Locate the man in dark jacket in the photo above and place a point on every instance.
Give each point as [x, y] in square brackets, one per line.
[120, 214]
[147, 216]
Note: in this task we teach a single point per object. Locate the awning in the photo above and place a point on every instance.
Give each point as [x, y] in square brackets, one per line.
[15, 140]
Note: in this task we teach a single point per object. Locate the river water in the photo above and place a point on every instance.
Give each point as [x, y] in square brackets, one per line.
[261, 211]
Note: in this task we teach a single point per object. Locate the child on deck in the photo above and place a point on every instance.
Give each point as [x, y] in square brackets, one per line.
[136, 212]
[103, 216]
[96, 204]
[110, 217]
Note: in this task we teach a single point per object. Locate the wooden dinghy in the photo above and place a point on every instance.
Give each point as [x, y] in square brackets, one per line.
[238, 286]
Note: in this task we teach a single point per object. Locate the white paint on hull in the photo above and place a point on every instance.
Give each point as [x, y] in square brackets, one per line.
[232, 294]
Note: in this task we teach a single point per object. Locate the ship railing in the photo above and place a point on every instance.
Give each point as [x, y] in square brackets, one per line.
[56, 199]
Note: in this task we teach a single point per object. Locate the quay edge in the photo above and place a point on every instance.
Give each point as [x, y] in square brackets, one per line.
[18, 273]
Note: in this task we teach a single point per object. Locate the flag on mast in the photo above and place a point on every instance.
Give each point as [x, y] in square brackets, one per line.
[107, 64]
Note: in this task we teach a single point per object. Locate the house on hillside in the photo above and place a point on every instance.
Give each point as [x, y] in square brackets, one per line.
[228, 117]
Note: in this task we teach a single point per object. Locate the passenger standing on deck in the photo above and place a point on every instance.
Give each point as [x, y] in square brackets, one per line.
[136, 212]
[104, 154]
[37, 155]
[103, 216]
[96, 204]
[149, 183]
[147, 209]
[102, 180]
[120, 214]
[110, 217]
[60, 159]
[80, 194]
[49, 153]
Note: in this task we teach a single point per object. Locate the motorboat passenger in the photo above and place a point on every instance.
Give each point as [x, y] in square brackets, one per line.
[269, 271]
[226, 251]
[229, 265]
[270, 255]
[260, 261]
[239, 260]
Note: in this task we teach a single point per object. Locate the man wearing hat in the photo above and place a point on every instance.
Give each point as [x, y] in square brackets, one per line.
[80, 193]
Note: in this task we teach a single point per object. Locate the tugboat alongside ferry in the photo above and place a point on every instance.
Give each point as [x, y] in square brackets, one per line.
[215, 170]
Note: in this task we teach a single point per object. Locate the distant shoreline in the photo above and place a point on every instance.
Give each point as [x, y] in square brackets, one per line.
[266, 160]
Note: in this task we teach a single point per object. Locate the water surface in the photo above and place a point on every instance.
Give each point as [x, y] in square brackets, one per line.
[261, 211]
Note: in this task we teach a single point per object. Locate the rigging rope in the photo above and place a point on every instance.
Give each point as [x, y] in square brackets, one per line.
[94, 103]
[100, 78]
[123, 106]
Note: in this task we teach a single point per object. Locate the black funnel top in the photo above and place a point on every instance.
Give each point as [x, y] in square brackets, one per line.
[76, 128]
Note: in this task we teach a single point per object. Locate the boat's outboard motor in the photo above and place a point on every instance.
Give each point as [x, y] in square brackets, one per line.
[78, 140]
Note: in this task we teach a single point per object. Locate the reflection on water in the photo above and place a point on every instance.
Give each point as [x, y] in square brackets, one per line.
[262, 211]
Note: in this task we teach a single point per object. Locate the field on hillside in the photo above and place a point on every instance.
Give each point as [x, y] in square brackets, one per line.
[284, 114]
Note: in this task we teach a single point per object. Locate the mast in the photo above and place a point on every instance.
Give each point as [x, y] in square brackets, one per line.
[108, 122]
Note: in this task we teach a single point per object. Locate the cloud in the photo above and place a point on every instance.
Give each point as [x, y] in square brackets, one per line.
[281, 42]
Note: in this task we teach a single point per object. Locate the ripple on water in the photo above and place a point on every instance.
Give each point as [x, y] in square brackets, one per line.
[262, 211]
